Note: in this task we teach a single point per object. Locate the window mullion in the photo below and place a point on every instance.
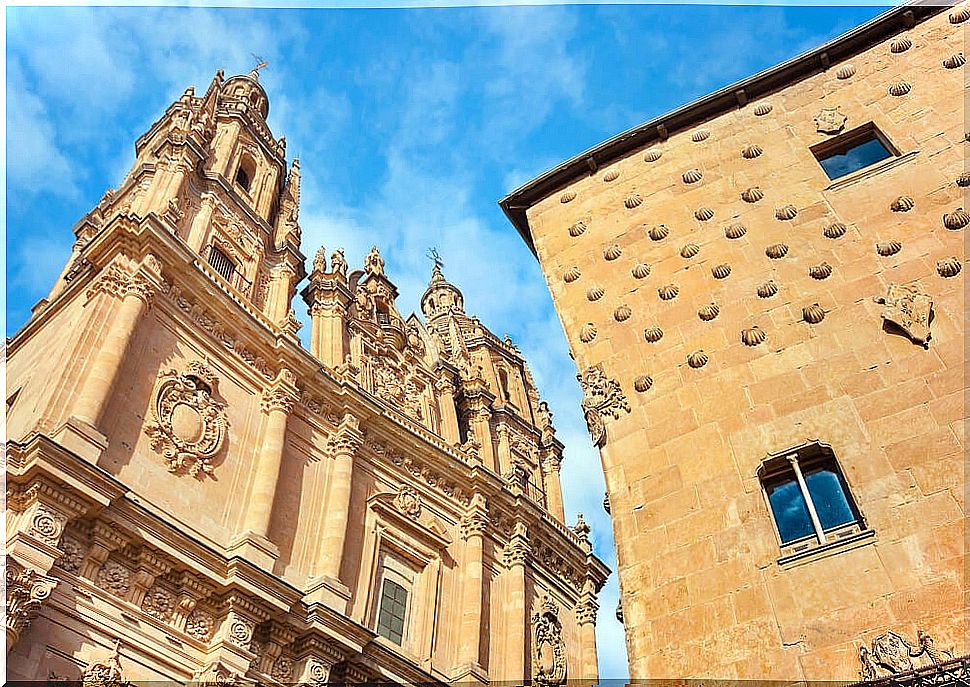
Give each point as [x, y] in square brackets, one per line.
[816, 523]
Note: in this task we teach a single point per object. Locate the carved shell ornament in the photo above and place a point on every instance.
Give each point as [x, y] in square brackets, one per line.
[652, 155]
[776, 251]
[640, 270]
[697, 359]
[956, 220]
[955, 61]
[901, 44]
[659, 232]
[571, 275]
[750, 152]
[622, 313]
[700, 135]
[820, 271]
[690, 250]
[721, 271]
[709, 312]
[692, 176]
[668, 292]
[949, 267]
[898, 88]
[594, 293]
[654, 334]
[902, 204]
[752, 195]
[613, 252]
[735, 231]
[579, 227]
[768, 289]
[587, 333]
[834, 231]
[642, 383]
[813, 314]
[188, 426]
[786, 212]
[761, 109]
[753, 336]
[632, 201]
[846, 71]
[704, 214]
[887, 248]
[960, 16]
[567, 197]
[963, 181]
[611, 175]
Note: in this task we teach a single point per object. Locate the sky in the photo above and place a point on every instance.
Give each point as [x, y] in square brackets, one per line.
[410, 125]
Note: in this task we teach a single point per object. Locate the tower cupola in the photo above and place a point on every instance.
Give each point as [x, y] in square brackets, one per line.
[247, 93]
[441, 296]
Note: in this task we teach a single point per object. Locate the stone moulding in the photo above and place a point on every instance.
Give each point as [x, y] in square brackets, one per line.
[603, 399]
[949, 267]
[188, 426]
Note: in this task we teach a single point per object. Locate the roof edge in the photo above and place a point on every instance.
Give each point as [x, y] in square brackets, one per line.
[731, 97]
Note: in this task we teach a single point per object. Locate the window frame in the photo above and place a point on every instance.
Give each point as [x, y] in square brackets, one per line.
[232, 263]
[849, 139]
[792, 465]
[390, 576]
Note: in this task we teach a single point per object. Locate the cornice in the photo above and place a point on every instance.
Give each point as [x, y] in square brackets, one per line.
[517, 203]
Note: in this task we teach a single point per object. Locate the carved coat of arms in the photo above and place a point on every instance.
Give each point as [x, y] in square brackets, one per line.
[189, 426]
[909, 309]
[830, 120]
[548, 645]
[602, 397]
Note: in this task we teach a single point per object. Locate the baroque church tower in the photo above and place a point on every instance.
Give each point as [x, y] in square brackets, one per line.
[192, 495]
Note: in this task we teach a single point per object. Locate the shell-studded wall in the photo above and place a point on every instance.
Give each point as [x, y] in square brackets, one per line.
[753, 291]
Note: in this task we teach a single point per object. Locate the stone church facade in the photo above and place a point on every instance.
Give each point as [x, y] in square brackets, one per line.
[194, 496]
[764, 293]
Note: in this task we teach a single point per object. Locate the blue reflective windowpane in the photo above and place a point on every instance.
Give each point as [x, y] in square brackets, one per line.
[856, 157]
[829, 497]
[791, 513]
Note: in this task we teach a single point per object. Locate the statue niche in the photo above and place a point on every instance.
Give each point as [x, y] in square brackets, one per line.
[548, 645]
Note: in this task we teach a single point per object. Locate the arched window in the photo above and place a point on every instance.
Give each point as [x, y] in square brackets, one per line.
[503, 379]
[245, 173]
[221, 263]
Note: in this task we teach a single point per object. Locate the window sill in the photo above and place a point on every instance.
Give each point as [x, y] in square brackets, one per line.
[871, 170]
[830, 548]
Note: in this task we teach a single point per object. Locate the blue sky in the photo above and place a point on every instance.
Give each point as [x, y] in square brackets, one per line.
[410, 125]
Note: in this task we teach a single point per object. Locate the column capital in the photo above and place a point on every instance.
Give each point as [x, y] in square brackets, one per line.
[282, 393]
[120, 283]
[348, 438]
[473, 524]
[586, 610]
[27, 589]
[518, 550]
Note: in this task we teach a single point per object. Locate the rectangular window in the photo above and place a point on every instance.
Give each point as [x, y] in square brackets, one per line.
[809, 499]
[392, 612]
[221, 263]
[853, 150]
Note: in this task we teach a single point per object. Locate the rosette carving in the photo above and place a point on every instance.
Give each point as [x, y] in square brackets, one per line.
[188, 426]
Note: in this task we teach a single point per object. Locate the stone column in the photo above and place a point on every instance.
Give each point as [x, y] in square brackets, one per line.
[329, 300]
[586, 619]
[473, 527]
[201, 223]
[551, 462]
[343, 447]
[504, 449]
[136, 293]
[446, 406]
[476, 403]
[517, 621]
[277, 402]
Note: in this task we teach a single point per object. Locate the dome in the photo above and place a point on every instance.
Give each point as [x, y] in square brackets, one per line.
[247, 89]
[441, 296]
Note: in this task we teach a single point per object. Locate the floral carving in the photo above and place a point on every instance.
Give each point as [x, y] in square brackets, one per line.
[909, 309]
[408, 501]
[240, 632]
[72, 557]
[160, 603]
[199, 625]
[114, 578]
[106, 672]
[189, 426]
[26, 591]
[47, 525]
[282, 669]
[602, 398]
[548, 645]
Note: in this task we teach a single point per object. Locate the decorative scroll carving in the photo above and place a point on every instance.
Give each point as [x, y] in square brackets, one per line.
[890, 654]
[602, 398]
[47, 524]
[189, 426]
[548, 644]
[215, 675]
[106, 672]
[909, 309]
[830, 121]
[26, 590]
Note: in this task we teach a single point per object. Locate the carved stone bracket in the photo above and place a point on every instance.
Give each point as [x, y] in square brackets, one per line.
[188, 426]
[602, 398]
